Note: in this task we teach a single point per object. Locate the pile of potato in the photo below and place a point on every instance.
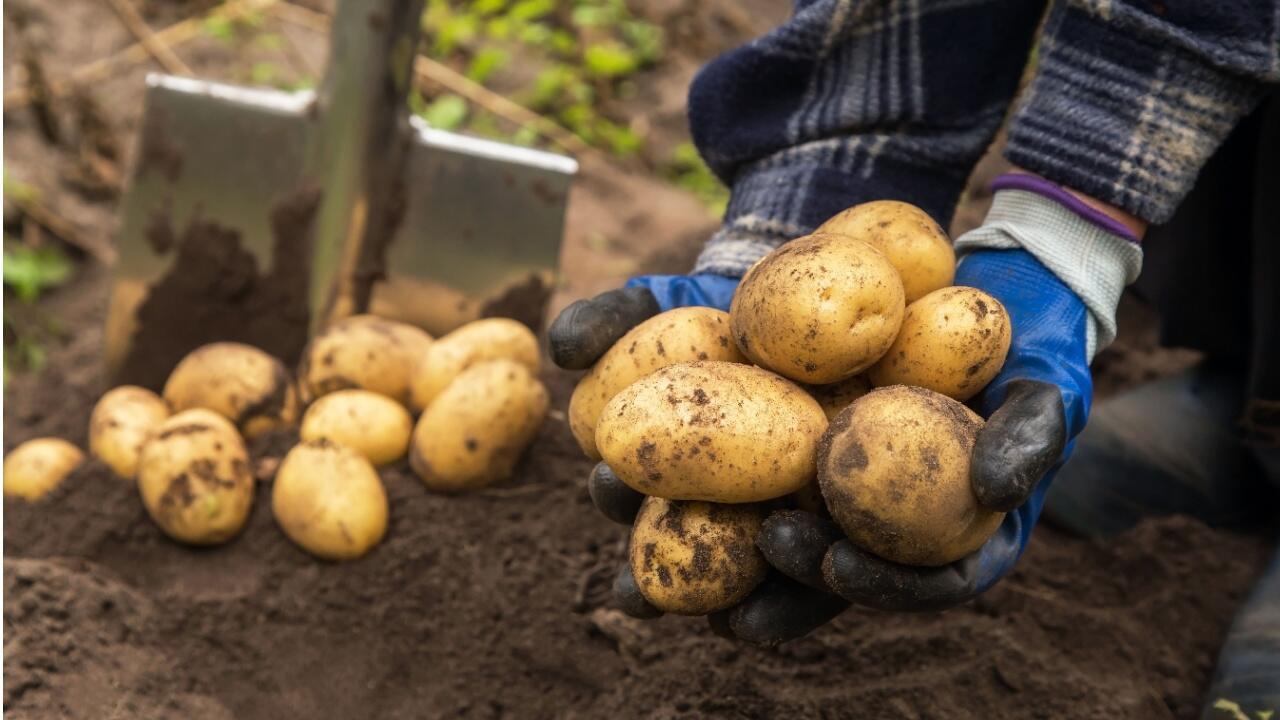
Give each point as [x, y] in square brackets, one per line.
[835, 383]
[357, 388]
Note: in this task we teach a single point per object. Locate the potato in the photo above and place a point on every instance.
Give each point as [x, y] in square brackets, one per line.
[363, 352]
[239, 382]
[694, 558]
[329, 500]
[953, 341]
[120, 423]
[37, 466]
[894, 470]
[475, 342]
[373, 425]
[818, 309]
[194, 478]
[714, 431]
[908, 237]
[837, 396]
[680, 335]
[473, 433]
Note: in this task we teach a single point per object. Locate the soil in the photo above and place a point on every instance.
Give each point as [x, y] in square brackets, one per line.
[497, 604]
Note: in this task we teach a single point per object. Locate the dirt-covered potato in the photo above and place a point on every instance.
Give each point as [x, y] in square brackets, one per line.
[837, 396]
[120, 423]
[373, 425]
[473, 433]
[363, 352]
[475, 342]
[329, 500]
[694, 558]
[680, 335]
[194, 478]
[894, 470]
[818, 309]
[37, 466]
[953, 341]
[239, 382]
[908, 237]
[715, 431]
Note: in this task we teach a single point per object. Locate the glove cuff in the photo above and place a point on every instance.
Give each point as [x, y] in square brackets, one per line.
[1093, 261]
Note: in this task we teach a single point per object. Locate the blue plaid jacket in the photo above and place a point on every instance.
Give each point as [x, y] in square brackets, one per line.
[856, 100]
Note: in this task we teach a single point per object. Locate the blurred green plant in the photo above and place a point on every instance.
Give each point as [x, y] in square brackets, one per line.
[568, 58]
[686, 169]
[28, 274]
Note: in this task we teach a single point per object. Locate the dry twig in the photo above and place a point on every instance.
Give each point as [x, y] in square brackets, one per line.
[153, 44]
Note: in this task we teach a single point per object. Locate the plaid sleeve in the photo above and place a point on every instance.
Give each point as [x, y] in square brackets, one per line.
[850, 101]
[1131, 97]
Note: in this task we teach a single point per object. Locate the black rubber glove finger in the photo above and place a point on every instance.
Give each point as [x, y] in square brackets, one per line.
[795, 542]
[1020, 442]
[778, 610]
[582, 332]
[626, 591]
[612, 497]
[866, 579]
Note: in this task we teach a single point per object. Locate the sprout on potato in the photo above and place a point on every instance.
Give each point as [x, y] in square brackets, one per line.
[120, 423]
[894, 470]
[371, 424]
[239, 382]
[694, 558]
[37, 466]
[194, 478]
[329, 500]
[680, 335]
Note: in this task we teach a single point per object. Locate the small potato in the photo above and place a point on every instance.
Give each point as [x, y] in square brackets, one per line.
[714, 431]
[363, 352]
[694, 558]
[680, 335]
[194, 478]
[473, 433]
[894, 470]
[239, 382]
[373, 425]
[908, 237]
[475, 342]
[953, 341]
[837, 396]
[818, 309]
[37, 466]
[120, 423]
[329, 500]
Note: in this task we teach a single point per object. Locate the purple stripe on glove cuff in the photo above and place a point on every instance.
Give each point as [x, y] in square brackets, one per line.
[1045, 188]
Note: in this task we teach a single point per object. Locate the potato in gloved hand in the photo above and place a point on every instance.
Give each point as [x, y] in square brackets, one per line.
[894, 470]
[918, 248]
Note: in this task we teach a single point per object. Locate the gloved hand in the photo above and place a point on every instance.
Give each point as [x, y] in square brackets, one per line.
[1038, 401]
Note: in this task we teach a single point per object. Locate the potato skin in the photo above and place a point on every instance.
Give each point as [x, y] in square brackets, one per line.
[328, 499]
[194, 478]
[121, 423]
[713, 431]
[679, 335]
[953, 341]
[39, 465]
[363, 352]
[818, 309]
[239, 382]
[475, 342]
[916, 245]
[894, 470]
[473, 433]
[373, 425]
[694, 558]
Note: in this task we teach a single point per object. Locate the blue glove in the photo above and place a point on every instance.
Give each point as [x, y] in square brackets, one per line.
[582, 332]
[1034, 406]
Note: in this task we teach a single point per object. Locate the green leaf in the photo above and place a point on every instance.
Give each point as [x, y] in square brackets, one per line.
[219, 28]
[488, 7]
[609, 60]
[30, 271]
[19, 191]
[263, 73]
[644, 38]
[486, 62]
[269, 41]
[446, 112]
[527, 10]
